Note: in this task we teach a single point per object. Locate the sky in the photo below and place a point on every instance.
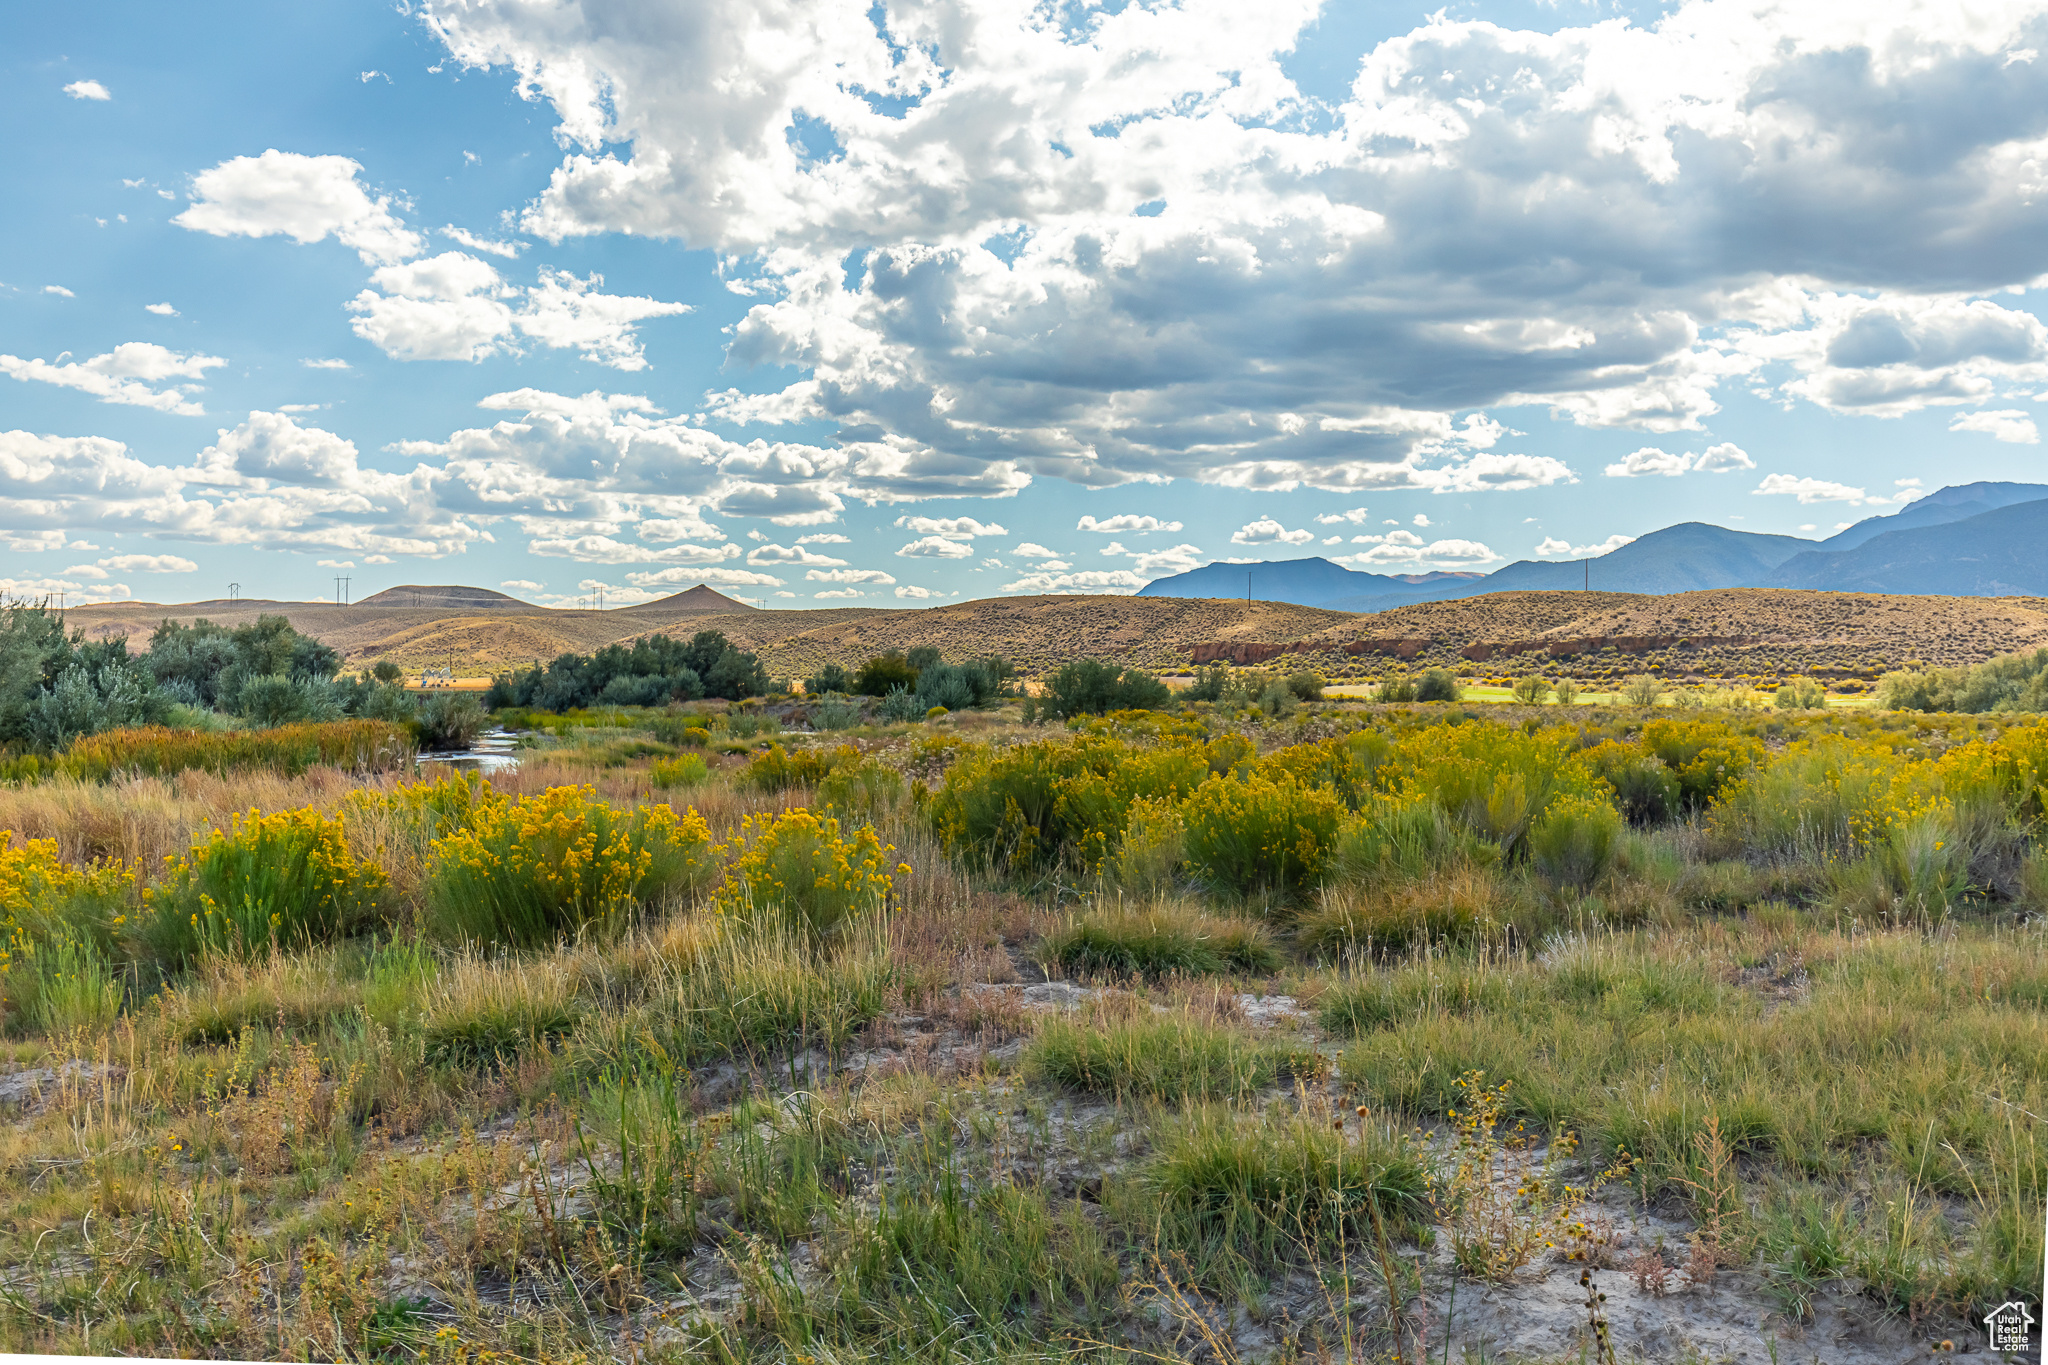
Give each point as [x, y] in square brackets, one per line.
[834, 303]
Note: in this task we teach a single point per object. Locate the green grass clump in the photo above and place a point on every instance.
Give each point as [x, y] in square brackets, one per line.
[1233, 1188]
[764, 993]
[487, 1013]
[1172, 1057]
[162, 751]
[1158, 942]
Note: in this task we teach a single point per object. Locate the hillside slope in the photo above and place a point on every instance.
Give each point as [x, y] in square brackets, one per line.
[1723, 631]
[1998, 553]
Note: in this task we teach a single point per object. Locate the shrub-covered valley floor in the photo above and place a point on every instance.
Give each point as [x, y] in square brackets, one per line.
[1366, 1034]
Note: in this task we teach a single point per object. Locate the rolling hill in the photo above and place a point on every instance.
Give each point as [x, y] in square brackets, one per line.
[1720, 632]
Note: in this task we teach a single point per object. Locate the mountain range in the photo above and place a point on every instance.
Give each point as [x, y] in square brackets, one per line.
[1969, 540]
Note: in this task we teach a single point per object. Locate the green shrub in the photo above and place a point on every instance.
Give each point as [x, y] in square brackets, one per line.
[776, 769]
[686, 770]
[1159, 1057]
[1573, 844]
[1030, 807]
[1258, 835]
[1567, 691]
[837, 713]
[901, 706]
[1706, 756]
[1306, 685]
[1647, 792]
[1402, 839]
[1399, 687]
[1158, 942]
[267, 881]
[1092, 687]
[1153, 849]
[1640, 689]
[529, 871]
[1532, 690]
[868, 787]
[1800, 694]
[1438, 684]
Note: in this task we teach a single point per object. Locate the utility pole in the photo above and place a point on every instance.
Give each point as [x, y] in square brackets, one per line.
[1588, 563]
[341, 583]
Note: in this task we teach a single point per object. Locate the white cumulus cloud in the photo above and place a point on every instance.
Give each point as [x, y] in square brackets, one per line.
[1126, 524]
[88, 90]
[133, 373]
[1266, 531]
[936, 547]
[301, 197]
[2009, 424]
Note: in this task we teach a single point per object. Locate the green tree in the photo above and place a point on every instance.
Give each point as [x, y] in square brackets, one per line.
[1093, 687]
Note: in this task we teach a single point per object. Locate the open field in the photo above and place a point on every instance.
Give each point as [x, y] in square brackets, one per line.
[1356, 1034]
[1841, 638]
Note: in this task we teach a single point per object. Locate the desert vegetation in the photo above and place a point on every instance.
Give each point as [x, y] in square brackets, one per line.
[1236, 1024]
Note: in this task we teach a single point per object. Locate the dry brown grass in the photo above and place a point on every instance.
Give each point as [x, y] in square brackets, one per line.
[145, 819]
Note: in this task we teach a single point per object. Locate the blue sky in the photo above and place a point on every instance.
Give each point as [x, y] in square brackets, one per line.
[831, 304]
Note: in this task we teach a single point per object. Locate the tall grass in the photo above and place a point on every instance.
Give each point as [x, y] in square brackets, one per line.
[159, 751]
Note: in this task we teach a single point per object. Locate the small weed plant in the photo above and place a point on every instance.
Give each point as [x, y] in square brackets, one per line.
[1501, 1205]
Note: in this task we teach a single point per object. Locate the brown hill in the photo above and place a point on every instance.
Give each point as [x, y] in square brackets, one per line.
[1734, 631]
[703, 597]
[445, 596]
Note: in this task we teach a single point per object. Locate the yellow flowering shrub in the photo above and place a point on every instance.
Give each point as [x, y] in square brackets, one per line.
[286, 878]
[58, 922]
[433, 809]
[1258, 835]
[798, 869]
[530, 871]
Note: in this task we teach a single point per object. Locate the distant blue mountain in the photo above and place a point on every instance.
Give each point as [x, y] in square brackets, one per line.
[2000, 553]
[1980, 534]
[1302, 581]
[1955, 503]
